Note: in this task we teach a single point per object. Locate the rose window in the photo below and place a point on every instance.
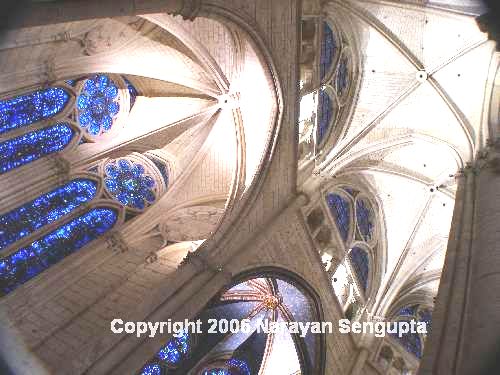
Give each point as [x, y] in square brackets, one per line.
[98, 104]
[129, 183]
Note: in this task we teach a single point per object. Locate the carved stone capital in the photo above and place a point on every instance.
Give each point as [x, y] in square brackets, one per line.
[489, 157]
[116, 242]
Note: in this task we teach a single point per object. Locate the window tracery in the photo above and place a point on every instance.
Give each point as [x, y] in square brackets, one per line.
[324, 100]
[130, 183]
[329, 48]
[32, 146]
[98, 104]
[414, 342]
[24, 110]
[29, 261]
[84, 108]
[47, 208]
[348, 249]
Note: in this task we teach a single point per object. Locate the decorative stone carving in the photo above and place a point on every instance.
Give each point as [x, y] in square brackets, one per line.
[192, 223]
[116, 243]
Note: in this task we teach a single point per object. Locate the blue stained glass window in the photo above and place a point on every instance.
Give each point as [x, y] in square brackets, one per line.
[342, 79]
[29, 261]
[238, 367]
[132, 91]
[234, 367]
[411, 342]
[339, 208]
[329, 48]
[129, 183]
[325, 115]
[425, 315]
[154, 369]
[45, 209]
[364, 218]
[361, 263]
[216, 371]
[175, 350]
[98, 104]
[408, 311]
[27, 109]
[32, 146]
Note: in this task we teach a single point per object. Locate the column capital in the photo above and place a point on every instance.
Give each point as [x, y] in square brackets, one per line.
[116, 242]
[489, 157]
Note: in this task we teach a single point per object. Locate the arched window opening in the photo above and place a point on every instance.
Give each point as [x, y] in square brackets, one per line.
[232, 366]
[342, 80]
[29, 261]
[413, 342]
[329, 49]
[47, 208]
[29, 147]
[365, 219]
[251, 350]
[341, 212]
[354, 249]
[29, 108]
[360, 262]
[325, 116]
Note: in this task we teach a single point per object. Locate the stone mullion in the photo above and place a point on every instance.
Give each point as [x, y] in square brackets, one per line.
[29, 181]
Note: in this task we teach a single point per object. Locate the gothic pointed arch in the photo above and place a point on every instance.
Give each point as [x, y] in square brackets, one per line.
[259, 299]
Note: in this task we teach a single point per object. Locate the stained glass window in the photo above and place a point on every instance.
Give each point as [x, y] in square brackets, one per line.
[339, 208]
[216, 371]
[325, 114]
[45, 209]
[34, 145]
[27, 109]
[171, 355]
[413, 342]
[342, 79]
[128, 182]
[425, 315]
[175, 350]
[238, 367]
[328, 50]
[29, 261]
[234, 367]
[154, 369]
[364, 218]
[361, 263]
[98, 104]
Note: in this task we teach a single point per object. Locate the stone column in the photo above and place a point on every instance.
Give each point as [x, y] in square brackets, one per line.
[466, 320]
[481, 347]
[28, 14]
[441, 349]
